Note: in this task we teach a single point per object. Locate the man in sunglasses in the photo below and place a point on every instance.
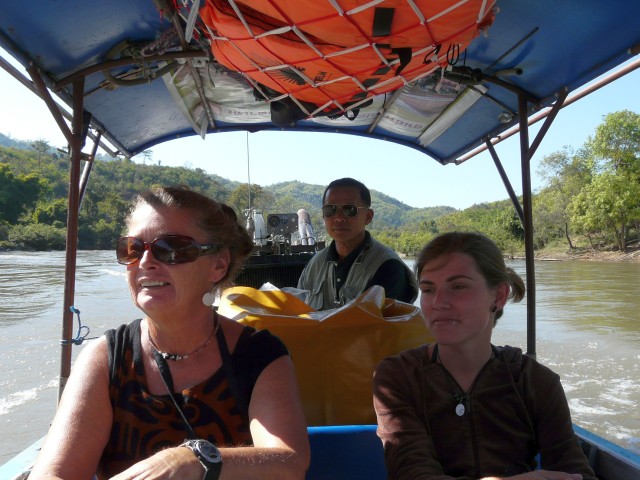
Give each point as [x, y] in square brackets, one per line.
[354, 261]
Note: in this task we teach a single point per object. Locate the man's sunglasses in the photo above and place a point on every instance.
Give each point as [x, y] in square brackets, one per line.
[348, 210]
[168, 249]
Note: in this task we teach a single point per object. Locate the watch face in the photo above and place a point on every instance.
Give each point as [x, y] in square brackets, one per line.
[209, 451]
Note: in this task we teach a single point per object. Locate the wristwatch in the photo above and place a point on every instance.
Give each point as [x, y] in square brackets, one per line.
[209, 457]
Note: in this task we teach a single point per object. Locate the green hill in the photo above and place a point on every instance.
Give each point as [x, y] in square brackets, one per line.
[589, 200]
[34, 183]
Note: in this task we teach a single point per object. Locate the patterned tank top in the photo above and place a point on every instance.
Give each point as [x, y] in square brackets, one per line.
[144, 424]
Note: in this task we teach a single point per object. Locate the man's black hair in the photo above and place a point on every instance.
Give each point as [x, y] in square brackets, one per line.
[365, 195]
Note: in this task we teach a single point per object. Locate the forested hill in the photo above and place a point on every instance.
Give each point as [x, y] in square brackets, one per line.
[13, 143]
[590, 199]
[34, 180]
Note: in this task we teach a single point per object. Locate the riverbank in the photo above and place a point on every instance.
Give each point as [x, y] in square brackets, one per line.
[604, 255]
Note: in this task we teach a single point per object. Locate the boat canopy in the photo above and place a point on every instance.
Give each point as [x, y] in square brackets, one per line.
[148, 75]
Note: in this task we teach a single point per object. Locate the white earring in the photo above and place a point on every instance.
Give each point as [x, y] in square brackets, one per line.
[209, 298]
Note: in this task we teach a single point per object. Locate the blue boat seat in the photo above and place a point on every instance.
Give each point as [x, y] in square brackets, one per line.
[346, 452]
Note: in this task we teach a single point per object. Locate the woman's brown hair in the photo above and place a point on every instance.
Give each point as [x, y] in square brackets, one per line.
[216, 219]
[484, 252]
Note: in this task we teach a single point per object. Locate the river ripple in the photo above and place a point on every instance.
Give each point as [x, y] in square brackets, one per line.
[588, 331]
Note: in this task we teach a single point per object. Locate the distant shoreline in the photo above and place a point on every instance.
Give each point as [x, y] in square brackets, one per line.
[631, 256]
[580, 254]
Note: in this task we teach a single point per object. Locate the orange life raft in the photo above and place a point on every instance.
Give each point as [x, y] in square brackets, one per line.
[328, 55]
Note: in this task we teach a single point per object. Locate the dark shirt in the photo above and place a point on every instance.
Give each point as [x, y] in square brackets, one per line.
[144, 423]
[392, 274]
[515, 409]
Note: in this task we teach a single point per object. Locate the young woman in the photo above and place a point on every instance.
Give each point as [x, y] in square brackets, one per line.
[183, 392]
[462, 407]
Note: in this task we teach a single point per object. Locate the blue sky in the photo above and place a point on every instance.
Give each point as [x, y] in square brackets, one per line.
[398, 171]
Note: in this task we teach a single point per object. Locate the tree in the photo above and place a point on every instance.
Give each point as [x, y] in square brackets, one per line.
[51, 213]
[285, 204]
[609, 203]
[147, 155]
[550, 218]
[617, 142]
[615, 150]
[18, 193]
[41, 148]
[37, 237]
[565, 172]
[260, 198]
[9, 187]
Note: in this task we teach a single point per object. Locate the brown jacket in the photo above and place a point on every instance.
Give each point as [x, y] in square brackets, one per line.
[515, 409]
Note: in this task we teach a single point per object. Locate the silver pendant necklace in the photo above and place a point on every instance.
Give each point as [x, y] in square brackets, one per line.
[460, 398]
[460, 408]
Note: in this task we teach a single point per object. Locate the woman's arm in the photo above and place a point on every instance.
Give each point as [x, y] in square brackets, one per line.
[81, 427]
[408, 446]
[557, 442]
[278, 429]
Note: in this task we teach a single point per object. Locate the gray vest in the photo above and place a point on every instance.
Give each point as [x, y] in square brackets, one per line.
[319, 276]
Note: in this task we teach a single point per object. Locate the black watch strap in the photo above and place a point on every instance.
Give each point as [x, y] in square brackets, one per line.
[208, 455]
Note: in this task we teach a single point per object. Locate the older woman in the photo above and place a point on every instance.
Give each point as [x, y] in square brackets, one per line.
[182, 393]
[462, 407]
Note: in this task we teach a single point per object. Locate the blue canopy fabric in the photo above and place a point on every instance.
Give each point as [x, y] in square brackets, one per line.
[537, 47]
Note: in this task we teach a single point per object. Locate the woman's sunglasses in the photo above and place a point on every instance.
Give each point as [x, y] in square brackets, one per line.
[168, 249]
[348, 210]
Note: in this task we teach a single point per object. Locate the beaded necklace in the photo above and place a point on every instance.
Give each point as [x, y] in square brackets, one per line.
[174, 356]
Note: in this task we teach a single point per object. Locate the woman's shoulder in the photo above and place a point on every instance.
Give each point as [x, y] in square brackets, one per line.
[262, 340]
[400, 370]
[507, 352]
[126, 330]
[411, 358]
[243, 339]
[123, 338]
[527, 364]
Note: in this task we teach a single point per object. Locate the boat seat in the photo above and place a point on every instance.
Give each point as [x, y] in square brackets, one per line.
[346, 452]
[334, 352]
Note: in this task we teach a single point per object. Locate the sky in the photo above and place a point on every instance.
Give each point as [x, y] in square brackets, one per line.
[265, 158]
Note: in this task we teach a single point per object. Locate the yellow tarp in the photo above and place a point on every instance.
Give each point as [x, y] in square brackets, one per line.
[335, 351]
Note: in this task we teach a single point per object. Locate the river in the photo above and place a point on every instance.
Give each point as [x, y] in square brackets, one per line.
[588, 331]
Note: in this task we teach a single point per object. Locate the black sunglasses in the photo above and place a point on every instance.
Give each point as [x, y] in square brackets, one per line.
[168, 249]
[348, 210]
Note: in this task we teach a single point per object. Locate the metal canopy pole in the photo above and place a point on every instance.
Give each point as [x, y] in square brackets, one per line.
[528, 225]
[525, 211]
[20, 77]
[75, 147]
[551, 116]
[546, 112]
[505, 180]
[88, 167]
[74, 139]
[43, 93]
[527, 153]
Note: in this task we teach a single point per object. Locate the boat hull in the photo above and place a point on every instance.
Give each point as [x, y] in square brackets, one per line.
[354, 452]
